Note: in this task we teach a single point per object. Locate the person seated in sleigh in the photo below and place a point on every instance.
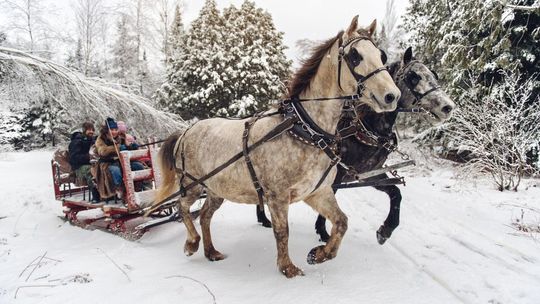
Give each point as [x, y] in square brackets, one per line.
[79, 157]
[108, 170]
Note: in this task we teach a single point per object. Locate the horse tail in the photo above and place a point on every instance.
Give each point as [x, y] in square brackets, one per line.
[167, 165]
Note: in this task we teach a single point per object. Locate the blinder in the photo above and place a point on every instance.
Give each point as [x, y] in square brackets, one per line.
[411, 80]
[353, 59]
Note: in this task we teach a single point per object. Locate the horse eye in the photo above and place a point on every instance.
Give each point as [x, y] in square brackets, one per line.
[435, 74]
[355, 57]
[414, 78]
[384, 58]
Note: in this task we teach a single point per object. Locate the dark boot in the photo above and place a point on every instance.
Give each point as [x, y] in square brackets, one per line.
[95, 196]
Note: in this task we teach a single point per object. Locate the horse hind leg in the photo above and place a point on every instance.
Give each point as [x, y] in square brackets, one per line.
[392, 220]
[211, 204]
[192, 241]
[320, 229]
[261, 217]
[320, 223]
[324, 202]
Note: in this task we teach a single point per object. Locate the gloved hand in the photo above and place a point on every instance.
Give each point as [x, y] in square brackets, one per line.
[134, 146]
[122, 147]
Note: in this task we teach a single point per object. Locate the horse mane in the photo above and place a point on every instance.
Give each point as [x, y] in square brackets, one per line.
[303, 76]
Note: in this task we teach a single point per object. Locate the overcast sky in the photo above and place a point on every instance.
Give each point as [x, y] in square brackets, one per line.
[298, 19]
[313, 19]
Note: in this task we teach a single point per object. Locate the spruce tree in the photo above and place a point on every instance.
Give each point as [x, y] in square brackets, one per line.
[124, 53]
[476, 46]
[196, 75]
[176, 37]
[166, 96]
[258, 64]
[461, 38]
[230, 65]
[75, 59]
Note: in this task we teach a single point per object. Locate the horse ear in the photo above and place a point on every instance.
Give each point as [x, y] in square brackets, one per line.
[372, 27]
[408, 56]
[354, 25]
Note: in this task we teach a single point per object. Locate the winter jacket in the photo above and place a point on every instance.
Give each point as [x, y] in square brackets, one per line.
[79, 149]
[107, 155]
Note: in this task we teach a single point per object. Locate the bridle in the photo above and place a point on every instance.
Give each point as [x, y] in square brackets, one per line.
[360, 79]
[308, 131]
[401, 75]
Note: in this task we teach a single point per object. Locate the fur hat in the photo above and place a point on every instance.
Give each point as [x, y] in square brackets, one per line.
[111, 124]
[122, 128]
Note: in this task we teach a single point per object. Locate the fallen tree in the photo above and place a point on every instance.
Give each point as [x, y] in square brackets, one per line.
[46, 101]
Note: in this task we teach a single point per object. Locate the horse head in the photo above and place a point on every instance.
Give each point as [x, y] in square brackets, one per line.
[361, 69]
[420, 88]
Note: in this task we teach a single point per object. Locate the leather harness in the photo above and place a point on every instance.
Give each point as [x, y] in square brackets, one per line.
[297, 122]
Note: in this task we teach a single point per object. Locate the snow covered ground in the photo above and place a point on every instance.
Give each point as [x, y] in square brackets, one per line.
[455, 244]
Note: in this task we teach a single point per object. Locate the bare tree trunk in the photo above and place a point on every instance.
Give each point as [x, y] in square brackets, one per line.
[89, 14]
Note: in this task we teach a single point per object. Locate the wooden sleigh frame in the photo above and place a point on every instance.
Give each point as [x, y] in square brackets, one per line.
[126, 219]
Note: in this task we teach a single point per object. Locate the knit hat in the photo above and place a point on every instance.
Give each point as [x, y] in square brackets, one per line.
[111, 124]
[122, 128]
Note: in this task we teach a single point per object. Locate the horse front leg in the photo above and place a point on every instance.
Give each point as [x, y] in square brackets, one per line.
[324, 202]
[279, 211]
[392, 220]
[211, 204]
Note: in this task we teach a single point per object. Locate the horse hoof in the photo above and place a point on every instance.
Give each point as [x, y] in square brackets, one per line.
[383, 234]
[191, 247]
[215, 256]
[316, 255]
[291, 271]
[266, 224]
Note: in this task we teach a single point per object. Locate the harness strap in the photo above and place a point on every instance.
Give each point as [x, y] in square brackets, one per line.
[282, 127]
[325, 174]
[251, 169]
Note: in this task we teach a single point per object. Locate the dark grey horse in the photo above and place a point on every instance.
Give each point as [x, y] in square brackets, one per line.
[419, 88]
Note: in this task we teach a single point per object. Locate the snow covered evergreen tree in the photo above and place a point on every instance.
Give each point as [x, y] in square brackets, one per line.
[257, 64]
[75, 59]
[473, 44]
[463, 37]
[166, 96]
[124, 53]
[177, 36]
[230, 65]
[195, 77]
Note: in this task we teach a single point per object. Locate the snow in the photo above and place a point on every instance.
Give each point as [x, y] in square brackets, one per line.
[455, 244]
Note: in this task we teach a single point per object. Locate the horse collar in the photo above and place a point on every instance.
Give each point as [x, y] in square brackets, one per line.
[370, 138]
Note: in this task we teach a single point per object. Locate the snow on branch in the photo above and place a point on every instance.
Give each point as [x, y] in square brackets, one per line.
[523, 7]
[27, 80]
[499, 129]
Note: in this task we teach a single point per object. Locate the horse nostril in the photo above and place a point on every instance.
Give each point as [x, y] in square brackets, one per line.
[446, 109]
[389, 98]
